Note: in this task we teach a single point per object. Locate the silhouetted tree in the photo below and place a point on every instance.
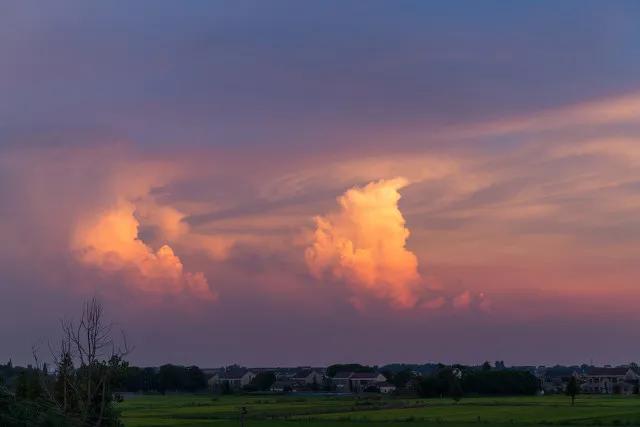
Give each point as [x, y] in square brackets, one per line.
[63, 391]
[500, 382]
[349, 367]
[455, 389]
[573, 388]
[28, 385]
[91, 367]
[22, 386]
[401, 378]
[263, 380]
[225, 388]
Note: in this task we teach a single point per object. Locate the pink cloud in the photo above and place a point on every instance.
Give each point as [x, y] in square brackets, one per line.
[111, 243]
[462, 301]
[364, 244]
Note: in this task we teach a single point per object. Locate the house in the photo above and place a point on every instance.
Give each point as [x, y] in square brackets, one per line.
[283, 386]
[554, 380]
[386, 388]
[361, 380]
[620, 380]
[285, 374]
[308, 377]
[341, 382]
[235, 377]
[356, 382]
[411, 386]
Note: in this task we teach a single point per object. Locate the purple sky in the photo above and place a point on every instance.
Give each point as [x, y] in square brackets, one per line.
[289, 183]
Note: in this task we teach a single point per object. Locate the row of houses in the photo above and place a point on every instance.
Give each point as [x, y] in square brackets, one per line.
[303, 379]
[607, 380]
[357, 382]
[592, 380]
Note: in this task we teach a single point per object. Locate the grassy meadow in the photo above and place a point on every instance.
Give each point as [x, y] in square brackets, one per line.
[294, 411]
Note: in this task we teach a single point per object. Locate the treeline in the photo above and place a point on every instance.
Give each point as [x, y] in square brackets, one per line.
[348, 367]
[458, 380]
[167, 378]
[500, 382]
[29, 382]
[74, 395]
[438, 380]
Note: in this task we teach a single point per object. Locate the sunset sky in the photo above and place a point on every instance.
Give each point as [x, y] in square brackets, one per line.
[295, 183]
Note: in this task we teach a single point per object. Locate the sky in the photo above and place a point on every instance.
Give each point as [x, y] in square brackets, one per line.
[305, 183]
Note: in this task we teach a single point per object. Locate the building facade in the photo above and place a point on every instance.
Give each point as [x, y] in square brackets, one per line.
[610, 381]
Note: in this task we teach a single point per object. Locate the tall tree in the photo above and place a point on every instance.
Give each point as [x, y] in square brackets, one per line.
[263, 381]
[573, 388]
[63, 391]
[455, 387]
[91, 366]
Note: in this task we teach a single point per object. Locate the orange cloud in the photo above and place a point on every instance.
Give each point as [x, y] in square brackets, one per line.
[462, 301]
[363, 243]
[168, 220]
[110, 242]
[171, 227]
[434, 304]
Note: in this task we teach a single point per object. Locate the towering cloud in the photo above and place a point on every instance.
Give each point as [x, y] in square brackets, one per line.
[110, 242]
[363, 244]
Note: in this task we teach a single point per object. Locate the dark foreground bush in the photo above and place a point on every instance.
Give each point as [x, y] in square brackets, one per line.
[28, 413]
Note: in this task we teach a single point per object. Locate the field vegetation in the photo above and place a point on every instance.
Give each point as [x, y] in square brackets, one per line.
[348, 411]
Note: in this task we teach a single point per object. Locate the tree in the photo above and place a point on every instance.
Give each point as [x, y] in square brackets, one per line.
[455, 386]
[427, 387]
[24, 412]
[573, 388]
[62, 391]
[263, 381]
[349, 367]
[22, 386]
[439, 384]
[169, 378]
[455, 389]
[194, 379]
[91, 367]
[500, 382]
[486, 366]
[28, 385]
[401, 378]
[225, 388]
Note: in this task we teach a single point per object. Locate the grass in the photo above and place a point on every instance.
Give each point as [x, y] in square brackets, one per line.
[293, 411]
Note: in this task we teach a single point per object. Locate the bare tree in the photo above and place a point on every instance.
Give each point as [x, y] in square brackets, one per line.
[88, 360]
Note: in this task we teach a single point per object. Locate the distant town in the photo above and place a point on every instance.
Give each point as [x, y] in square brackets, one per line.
[426, 380]
[408, 379]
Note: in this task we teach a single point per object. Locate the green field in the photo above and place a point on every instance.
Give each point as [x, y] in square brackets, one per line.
[292, 411]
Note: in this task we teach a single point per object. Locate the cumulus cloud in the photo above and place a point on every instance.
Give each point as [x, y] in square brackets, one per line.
[167, 221]
[110, 242]
[363, 244]
[434, 304]
[462, 301]
[163, 223]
